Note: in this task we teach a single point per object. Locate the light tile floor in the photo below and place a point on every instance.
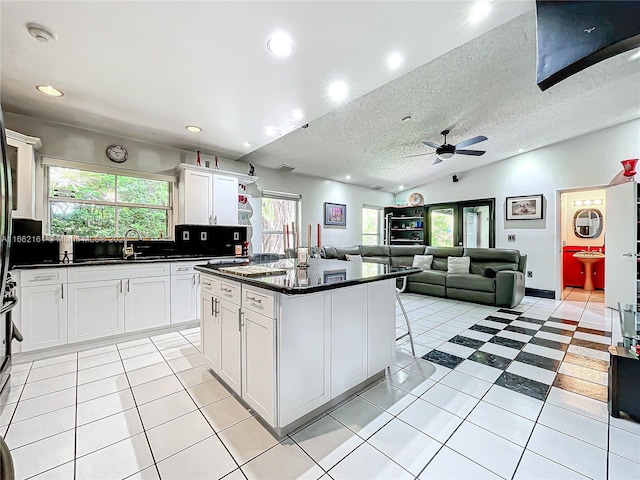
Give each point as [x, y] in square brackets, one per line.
[149, 409]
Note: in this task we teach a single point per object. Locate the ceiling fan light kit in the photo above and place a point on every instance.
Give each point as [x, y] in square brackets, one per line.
[446, 151]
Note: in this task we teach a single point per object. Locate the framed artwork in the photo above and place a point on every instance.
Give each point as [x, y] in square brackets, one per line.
[333, 276]
[335, 214]
[524, 208]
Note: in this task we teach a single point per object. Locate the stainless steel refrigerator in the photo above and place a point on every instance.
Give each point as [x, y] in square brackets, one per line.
[7, 289]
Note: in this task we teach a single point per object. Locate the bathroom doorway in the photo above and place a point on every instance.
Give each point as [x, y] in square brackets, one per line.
[582, 238]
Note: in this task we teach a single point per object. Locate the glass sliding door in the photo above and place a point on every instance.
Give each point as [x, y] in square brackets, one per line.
[466, 224]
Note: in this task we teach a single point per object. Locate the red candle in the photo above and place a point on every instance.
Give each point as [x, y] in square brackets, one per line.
[286, 236]
[309, 238]
[318, 235]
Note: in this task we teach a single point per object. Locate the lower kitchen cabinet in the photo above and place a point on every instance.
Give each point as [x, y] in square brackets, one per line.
[185, 298]
[43, 312]
[229, 338]
[147, 303]
[209, 331]
[259, 364]
[96, 309]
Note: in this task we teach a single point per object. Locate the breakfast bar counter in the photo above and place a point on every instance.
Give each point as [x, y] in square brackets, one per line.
[293, 344]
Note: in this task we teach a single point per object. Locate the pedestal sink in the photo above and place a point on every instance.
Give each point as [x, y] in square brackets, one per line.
[588, 259]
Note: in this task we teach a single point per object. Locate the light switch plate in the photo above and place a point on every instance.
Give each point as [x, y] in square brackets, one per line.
[511, 238]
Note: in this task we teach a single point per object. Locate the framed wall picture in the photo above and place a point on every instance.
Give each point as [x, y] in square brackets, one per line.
[335, 214]
[524, 208]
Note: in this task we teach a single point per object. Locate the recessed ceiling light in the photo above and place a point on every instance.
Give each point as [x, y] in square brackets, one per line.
[49, 90]
[338, 91]
[348, 177]
[297, 114]
[193, 128]
[247, 144]
[394, 61]
[635, 56]
[401, 187]
[280, 44]
[40, 33]
[520, 150]
[480, 9]
[270, 131]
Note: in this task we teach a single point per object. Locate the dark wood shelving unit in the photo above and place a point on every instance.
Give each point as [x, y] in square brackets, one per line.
[405, 225]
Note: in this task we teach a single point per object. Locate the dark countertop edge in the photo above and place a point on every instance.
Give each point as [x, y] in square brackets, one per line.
[256, 282]
[105, 262]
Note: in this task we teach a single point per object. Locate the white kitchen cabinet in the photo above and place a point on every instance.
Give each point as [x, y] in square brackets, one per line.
[147, 303]
[43, 312]
[21, 151]
[259, 364]
[225, 200]
[381, 343]
[229, 357]
[196, 198]
[348, 338]
[209, 331]
[95, 309]
[185, 298]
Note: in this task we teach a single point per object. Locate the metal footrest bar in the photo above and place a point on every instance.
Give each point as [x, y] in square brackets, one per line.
[406, 318]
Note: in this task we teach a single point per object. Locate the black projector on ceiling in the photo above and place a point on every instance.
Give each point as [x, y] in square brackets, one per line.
[573, 35]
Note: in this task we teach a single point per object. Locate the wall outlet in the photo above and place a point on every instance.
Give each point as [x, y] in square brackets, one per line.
[511, 238]
[529, 274]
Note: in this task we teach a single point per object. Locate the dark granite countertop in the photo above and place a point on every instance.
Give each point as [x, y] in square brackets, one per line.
[119, 261]
[322, 275]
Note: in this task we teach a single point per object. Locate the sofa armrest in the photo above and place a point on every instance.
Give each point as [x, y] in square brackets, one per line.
[509, 288]
[522, 264]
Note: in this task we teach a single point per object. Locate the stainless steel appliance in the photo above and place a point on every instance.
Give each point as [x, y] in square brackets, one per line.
[7, 287]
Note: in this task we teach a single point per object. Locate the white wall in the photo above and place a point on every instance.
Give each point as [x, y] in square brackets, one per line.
[569, 210]
[76, 144]
[588, 161]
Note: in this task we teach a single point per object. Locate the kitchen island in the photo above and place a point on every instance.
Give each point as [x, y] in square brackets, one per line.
[292, 345]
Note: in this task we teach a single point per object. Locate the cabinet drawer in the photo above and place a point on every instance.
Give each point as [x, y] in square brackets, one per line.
[43, 276]
[258, 300]
[208, 284]
[228, 291]
[183, 268]
[118, 272]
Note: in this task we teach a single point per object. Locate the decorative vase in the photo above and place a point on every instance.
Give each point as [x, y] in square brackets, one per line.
[629, 167]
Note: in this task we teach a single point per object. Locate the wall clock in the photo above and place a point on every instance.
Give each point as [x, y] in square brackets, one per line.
[117, 153]
[416, 199]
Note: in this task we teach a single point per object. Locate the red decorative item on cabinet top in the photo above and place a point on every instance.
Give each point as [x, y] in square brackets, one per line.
[629, 167]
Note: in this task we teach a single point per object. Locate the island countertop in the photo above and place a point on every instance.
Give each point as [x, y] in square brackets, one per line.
[321, 275]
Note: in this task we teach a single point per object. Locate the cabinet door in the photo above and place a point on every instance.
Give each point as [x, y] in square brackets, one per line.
[96, 309]
[348, 338]
[184, 298]
[44, 316]
[198, 196]
[147, 303]
[225, 200]
[258, 364]
[209, 331]
[381, 325]
[230, 338]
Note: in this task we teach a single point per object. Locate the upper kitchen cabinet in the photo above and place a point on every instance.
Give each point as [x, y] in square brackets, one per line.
[21, 150]
[208, 196]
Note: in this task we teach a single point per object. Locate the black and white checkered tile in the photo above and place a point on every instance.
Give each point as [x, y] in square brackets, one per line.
[529, 355]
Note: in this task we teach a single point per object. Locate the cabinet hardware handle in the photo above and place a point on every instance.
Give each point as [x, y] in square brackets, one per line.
[207, 284]
[194, 279]
[228, 290]
[62, 290]
[182, 269]
[120, 286]
[254, 299]
[41, 278]
[128, 286]
[239, 319]
[217, 307]
[213, 311]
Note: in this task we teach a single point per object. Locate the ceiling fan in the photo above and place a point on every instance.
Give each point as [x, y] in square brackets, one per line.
[445, 151]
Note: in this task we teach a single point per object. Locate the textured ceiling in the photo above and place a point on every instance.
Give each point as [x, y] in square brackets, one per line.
[484, 87]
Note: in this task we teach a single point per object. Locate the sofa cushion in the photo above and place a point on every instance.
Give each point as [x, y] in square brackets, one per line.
[422, 261]
[458, 264]
[328, 251]
[403, 261]
[489, 272]
[406, 250]
[353, 258]
[342, 251]
[382, 260]
[444, 251]
[374, 250]
[478, 267]
[434, 277]
[493, 255]
[469, 281]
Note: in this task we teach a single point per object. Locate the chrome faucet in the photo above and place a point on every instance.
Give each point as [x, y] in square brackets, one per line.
[127, 251]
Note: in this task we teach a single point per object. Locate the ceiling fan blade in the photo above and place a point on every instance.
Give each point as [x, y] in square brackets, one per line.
[419, 155]
[431, 144]
[475, 153]
[471, 141]
[437, 161]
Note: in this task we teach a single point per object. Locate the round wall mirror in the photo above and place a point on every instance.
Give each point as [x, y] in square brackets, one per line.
[587, 223]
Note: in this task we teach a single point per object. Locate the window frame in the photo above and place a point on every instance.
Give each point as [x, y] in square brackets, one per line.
[117, 172]
[378, 235]
[296, 197]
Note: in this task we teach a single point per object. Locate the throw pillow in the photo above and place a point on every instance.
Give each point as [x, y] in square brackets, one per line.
[489, 272]
[353, 258]
[458, 264]
[422, 261]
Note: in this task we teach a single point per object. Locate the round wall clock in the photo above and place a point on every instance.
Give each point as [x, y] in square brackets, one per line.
[117, 153]
[416, 199]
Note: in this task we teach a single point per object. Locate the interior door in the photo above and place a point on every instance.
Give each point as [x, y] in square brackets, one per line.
[621, 242]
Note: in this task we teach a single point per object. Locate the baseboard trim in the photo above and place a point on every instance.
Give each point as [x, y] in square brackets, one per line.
[540, 293]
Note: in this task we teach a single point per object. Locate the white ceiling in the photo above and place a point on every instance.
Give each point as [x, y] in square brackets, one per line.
[144, 70]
